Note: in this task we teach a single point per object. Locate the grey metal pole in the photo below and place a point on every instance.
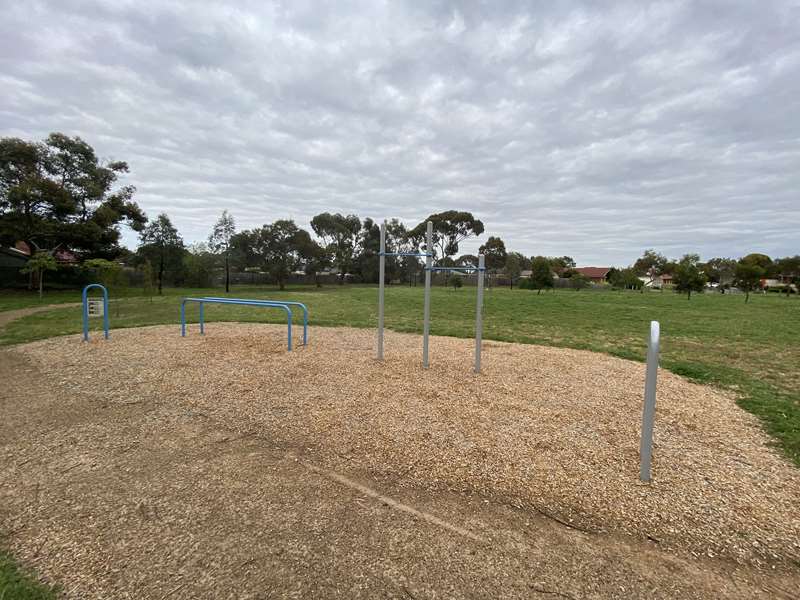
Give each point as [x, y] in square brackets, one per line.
[479, 314]
[649, 411]
[426, 323]
[381, 271]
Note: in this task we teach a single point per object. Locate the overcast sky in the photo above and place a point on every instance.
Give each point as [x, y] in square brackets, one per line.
[568, 128]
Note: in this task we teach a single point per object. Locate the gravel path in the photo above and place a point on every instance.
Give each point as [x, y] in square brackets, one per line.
[152, 465]
[7, 316]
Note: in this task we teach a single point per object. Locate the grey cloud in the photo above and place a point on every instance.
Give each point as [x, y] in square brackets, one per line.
[569, 128]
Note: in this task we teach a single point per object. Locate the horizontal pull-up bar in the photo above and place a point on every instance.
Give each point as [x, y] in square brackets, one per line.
[404, 254]
[272, 303]
[203, 301]
[454, 268]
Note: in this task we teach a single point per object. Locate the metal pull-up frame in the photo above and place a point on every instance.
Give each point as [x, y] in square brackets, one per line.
[429, 268]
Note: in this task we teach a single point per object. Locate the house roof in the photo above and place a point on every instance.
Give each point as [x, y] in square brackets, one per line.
[594, 272]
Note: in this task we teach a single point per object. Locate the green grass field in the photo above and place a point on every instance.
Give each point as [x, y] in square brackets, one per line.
[717, 339]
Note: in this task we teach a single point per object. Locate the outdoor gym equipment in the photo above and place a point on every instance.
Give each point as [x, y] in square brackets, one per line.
[649, 410]
[95, 310]
[240, 302]
[429, 268]
[276, 302]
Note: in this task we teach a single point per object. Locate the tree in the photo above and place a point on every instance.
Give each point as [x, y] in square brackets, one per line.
[579, 281]
[450, 228]
[541, 274]
[495, 255]
[107, 272]
[759, 260]
[719, 270]
[369, 244]
[748, 277]
[563, 265]
[457, 281]
[651, 263]
[340, 234]
[147, 279]
[513, 266]
[789, 270]
[39, 263]
[58, 192]
[624, 279]
[316, 259]
[199, 264]
[161, 244]
[281, 247]
[220, 242]
[687, 276]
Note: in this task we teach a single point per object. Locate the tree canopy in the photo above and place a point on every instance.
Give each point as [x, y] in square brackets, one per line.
[450, 228]
[58, 193]
[687, 276]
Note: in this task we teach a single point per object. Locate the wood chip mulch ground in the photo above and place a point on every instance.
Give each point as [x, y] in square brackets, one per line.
[550, 431]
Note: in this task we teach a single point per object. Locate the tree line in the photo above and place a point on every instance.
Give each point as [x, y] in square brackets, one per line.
[58, 194]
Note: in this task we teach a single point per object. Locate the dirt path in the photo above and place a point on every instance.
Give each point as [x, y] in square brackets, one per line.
[12, 315]
[139, 495]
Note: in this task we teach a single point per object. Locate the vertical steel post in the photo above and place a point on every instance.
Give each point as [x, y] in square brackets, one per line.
[105, 312]
[381, 273]
[649, 411]
[202, 319]
[426, 323]
[289, 327]
[85, 314]
[183, 317]
[479, 314]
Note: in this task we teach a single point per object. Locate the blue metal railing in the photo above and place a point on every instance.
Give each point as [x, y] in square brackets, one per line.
[276, 303]
[234, 301]
[404, 254]
[86, 310]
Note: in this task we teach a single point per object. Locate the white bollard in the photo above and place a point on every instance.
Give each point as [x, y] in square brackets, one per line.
[381, 272]
[479, 314]
[649, 411]
[426, 324]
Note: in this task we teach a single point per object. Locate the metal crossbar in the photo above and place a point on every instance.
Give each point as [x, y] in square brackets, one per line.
[203, 301]
[404, 254]
[273, 302]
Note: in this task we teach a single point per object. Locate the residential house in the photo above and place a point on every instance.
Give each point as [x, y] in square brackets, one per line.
[594, 274]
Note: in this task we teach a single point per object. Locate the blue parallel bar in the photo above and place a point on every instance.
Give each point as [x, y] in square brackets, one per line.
[273, 303]
[404, 254]
[86, 310]
[203, 301]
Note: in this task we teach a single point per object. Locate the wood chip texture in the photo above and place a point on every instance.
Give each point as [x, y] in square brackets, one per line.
[548, 431]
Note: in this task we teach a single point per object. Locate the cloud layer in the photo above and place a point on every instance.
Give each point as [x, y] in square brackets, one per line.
[581, 129]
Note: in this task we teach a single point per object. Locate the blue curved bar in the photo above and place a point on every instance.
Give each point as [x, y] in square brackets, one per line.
[86, 310]
[203, 301]
[271, 302]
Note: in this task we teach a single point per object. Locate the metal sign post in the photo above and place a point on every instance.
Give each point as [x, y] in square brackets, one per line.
[87, 311]
[649, 411]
